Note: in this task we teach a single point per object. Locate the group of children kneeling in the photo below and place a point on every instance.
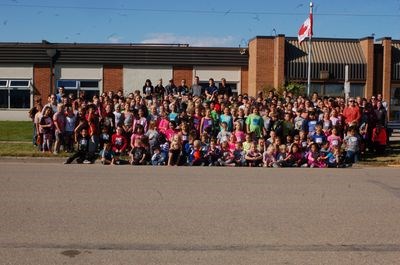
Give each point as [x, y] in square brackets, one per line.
[315, 151]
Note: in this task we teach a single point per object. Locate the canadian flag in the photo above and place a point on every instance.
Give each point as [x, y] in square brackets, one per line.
[305, 29]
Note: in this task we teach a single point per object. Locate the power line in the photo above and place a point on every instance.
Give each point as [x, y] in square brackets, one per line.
[193, 11]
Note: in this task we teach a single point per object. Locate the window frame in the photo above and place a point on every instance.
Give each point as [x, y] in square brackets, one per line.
[9, 88]
[76, 90]
[6, 85]
[19, 87]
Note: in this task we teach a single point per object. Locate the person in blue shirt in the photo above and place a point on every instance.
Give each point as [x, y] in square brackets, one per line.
[211, 90]
[312, 122]
[226, 117]
[60, 94]
[319, 136]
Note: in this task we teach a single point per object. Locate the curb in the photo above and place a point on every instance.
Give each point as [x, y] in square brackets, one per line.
[27, 159]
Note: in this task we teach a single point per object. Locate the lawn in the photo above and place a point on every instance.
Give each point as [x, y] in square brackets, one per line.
[16, 131]
[19, 149]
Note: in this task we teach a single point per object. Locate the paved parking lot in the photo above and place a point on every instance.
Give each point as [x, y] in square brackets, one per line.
[93, 214]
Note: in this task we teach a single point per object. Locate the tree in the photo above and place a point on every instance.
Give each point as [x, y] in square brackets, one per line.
[296, 89]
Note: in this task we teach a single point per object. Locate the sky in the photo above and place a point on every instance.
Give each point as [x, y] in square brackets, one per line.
[220, 23]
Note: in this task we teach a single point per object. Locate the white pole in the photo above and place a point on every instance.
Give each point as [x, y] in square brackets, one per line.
[346, 83]
[309, 56]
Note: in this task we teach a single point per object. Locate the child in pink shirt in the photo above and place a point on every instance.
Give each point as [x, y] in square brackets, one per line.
[314, 158]
[334, 139]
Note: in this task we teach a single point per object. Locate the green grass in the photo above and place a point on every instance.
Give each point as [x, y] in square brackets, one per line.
[18, 131]
[24, 150]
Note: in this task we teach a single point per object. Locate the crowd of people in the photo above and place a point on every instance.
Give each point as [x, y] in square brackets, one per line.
[210, 126]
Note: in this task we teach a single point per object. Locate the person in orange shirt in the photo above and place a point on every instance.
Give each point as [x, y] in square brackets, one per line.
[352, 113]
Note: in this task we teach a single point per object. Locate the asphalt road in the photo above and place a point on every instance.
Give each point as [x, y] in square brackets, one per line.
[93, 214]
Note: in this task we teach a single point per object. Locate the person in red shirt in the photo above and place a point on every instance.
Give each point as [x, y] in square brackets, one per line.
[352, 113]
[119, 142]
[379, 139]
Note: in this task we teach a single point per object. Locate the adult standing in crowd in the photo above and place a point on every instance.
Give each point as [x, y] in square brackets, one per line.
[352, 113]
[171, 88]
[60, 94]
[148, 89]
[159, 89]
[183, 89]
[224, 88]
[196, 89]
[211, 90]
[381, 114]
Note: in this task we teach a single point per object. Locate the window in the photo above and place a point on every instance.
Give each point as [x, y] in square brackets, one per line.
[20, 98]
[90, 87]
[15, 94]
[89, 84]
[3, 99]
[336, 90]
[19, 83]
[68, 84]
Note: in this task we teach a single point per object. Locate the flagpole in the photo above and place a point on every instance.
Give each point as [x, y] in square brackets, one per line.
[309, 55]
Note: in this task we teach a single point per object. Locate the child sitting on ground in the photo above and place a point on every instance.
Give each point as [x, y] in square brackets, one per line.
[157, 159]
[107, 155]
[281, 156]
[314, 158]
[254, 156]
[226, 155]
[82, 155]
[138, 153]
[269, 156]
[239, 155]
[213, 154]
[196, 155]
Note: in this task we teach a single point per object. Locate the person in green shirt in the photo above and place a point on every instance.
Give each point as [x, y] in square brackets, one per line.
[255, 123]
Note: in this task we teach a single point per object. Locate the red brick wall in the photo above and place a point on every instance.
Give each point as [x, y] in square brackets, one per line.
[112, 78]
[279, 61]
[183, 72]
[387, 69]
[41, 81]
[367, 45]
[244, 79]
[261, 64]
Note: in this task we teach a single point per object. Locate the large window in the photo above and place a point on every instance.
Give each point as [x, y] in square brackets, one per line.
[90, 87]
[335, 90]
[15, 94]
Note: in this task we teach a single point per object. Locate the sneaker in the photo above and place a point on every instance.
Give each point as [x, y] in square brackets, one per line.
[66, 162]
[86, 162]
[55, 153]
